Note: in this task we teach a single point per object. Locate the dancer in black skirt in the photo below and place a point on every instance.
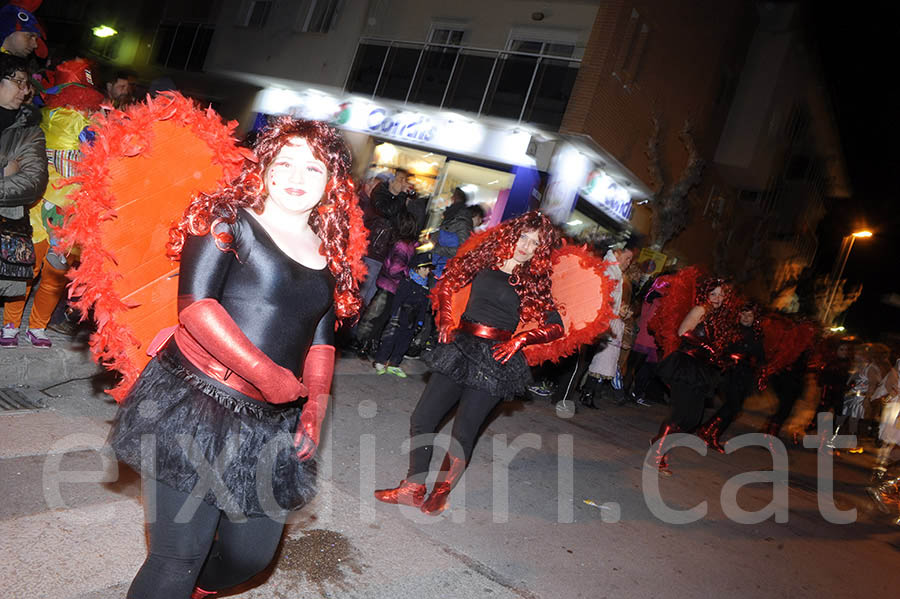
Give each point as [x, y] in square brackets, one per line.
[692, 371]
[216, 422]
[480, 363]
[743, 358]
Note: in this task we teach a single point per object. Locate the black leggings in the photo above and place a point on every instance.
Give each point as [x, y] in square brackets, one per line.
[739, 383]
[439, 397]
[184, 554]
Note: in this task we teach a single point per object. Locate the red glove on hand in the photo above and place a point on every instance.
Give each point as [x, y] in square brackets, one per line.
[318, 370]
[504, 351]
[209, 326]
[444, 315]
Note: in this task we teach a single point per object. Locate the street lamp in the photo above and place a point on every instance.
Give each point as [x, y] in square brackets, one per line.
[846, 246]
[104, 31]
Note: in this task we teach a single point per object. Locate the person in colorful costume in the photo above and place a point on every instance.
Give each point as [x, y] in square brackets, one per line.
[480, 362]
[65, 122]
[268, 263]
[692, 371]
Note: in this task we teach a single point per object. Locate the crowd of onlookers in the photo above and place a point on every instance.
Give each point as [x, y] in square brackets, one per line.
[402, 266]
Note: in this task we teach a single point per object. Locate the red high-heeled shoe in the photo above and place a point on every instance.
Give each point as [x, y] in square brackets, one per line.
[406, 493]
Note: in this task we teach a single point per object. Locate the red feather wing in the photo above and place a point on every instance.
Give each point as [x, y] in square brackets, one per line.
[136, 180]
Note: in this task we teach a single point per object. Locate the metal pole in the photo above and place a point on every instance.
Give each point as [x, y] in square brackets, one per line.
[383, 62]
[838, 279]
[537, 65]
[450, 79]
[488, 86]
[415, 72]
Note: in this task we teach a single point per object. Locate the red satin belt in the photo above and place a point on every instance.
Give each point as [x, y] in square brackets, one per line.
[211, 367]
[484, 331]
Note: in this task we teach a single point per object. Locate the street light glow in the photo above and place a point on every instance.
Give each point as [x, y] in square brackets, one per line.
[860, 234]
[104, 31]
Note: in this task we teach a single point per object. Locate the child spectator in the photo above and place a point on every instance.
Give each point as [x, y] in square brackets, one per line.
[409, 309]
[393, 270]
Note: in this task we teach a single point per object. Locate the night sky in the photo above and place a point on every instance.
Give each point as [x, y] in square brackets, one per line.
[859, 51]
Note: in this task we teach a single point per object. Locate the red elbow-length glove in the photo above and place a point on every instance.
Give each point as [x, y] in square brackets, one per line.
[444, 315]
[211, 327]
[318, 370]
[504, 351]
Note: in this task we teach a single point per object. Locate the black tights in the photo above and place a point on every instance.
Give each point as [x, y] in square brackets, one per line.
[185, 554]
[439, 397]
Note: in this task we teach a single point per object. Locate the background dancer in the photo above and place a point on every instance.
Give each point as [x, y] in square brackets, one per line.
[481, 362]
[692, 371]
[267, 263]
[742, 358]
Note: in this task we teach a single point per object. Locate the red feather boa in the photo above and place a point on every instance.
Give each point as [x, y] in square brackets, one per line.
[678, 297]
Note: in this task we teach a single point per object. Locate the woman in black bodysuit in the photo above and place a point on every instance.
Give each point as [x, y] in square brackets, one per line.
[267, 264]
[692, 371]
[480, 362]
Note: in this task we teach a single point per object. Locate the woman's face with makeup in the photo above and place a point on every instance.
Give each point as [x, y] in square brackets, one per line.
[296, 179]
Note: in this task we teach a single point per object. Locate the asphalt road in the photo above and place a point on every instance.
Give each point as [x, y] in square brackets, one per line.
[519, 526]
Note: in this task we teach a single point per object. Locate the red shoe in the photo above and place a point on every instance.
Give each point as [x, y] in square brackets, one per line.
[406, 493]
[660, 458]
[201, 594]
[451, 470]
[710, 433]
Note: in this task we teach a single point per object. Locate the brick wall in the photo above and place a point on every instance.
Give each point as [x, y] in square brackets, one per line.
[675, 59]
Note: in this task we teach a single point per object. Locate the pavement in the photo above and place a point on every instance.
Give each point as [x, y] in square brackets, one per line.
[552, 506]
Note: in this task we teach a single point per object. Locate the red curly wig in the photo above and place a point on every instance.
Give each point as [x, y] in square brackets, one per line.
[492, 248]
[721, 323]
[337, 219]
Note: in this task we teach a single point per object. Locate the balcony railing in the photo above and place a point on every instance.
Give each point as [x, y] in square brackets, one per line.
[182, 45]
[533, 88]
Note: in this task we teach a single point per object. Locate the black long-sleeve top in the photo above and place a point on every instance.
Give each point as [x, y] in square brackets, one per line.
[282, 306]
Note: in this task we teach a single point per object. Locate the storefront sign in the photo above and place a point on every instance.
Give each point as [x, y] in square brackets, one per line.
[439, 130]
[604, 193]
[401, 125]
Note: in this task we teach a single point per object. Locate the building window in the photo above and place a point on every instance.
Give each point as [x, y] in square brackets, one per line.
[631, 50]
[544, 48]
[317, 16]
[254, 13]
[182, 46]
[448, 36]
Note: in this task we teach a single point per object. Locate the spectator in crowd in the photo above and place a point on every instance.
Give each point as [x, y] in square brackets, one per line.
[381, 198]
[23, 159]
[644, 355]
[120, 89]
[393, 270]
[66, 118]
[457, 224]
[21, 32]
[408, 311]
[604, 364]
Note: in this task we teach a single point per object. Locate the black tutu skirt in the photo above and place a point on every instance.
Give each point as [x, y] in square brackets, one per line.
[212, 442]
[679, 368]
[468, 360]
